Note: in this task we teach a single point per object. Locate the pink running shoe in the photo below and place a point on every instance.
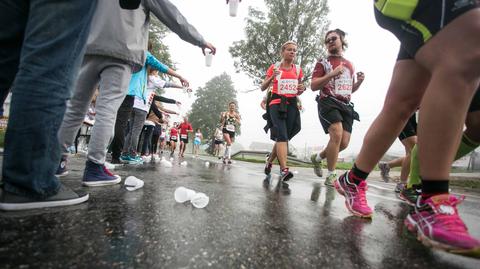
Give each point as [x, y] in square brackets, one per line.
[355, 196]
[438, 225]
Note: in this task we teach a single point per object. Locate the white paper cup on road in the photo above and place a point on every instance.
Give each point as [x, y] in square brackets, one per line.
[207, 164]
[200, 200]
[183, 194]
[132, 183]
[208, 58]
[233, 7]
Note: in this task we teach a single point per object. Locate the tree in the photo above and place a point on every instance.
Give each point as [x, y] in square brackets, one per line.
[303, 21]
[157, 33]
[210, 101]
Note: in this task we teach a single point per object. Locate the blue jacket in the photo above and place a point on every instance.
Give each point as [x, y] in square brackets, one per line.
[138, 82]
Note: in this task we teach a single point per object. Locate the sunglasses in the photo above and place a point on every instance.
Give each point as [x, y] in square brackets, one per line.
[331, 39]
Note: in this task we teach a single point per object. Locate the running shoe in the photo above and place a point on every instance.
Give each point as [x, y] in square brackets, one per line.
[330, 179]
[285, 175]
[400, 187]
[384, 171]
[410, 195]
[268, 168]
[438, 225]
[355, 196]
[317, 165]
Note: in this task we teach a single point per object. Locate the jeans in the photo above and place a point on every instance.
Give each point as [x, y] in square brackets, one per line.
[41, 46]
[137, 120]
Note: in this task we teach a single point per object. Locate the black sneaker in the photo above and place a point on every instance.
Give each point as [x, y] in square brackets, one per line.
[285, 175]
[268, 168]
[65, 196]
[62, 167]
[410, 195]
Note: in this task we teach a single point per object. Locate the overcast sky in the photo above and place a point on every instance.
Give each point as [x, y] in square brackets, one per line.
[371, 49]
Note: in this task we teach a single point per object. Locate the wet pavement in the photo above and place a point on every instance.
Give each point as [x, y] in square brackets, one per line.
[249, 223]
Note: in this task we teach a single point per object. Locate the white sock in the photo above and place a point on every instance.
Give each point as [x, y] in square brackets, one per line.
[334, 172]
[318, 158]
[227, 152]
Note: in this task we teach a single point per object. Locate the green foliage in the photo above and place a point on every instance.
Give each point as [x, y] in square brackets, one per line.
[210, 101]
[304, 22]
[157, 33]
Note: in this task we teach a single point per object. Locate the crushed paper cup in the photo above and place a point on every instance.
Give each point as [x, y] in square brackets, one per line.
[200, 200]
[183, 194]
[132, 183]
[184, 163]
[207, 164]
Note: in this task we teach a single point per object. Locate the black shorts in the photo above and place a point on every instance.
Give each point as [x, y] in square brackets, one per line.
[173, 139]
[429, 14]
[231, 134]
[184, 140]
[218, 142]
[410, 128]
[284, 127]
[331, 111]
[475, 104]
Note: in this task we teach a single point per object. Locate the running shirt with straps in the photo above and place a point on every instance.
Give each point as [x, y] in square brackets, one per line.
[341, 86]
[286, 83]
[229, 123]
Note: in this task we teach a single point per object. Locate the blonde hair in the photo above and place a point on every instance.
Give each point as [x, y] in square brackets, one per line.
[290, 42]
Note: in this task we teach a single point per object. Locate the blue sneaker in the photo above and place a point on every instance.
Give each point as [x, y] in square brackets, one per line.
[98, 175]
[62, 167]
[129, 159]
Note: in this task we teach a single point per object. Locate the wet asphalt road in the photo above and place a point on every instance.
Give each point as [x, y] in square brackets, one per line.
[247, 224]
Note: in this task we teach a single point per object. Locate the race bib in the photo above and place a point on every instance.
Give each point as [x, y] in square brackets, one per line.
[287, 86]
[343, 86]
[230, 127]
[183, 136]
[173, 137]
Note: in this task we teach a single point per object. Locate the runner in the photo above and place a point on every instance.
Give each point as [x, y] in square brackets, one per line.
[218, 141]
[334, 77]
[197, 141]
[469, 142]
[408, 137]
[185, 127]
[445, 86]
[173, 138]
[228, 121]
[283, 117]
[163, 138]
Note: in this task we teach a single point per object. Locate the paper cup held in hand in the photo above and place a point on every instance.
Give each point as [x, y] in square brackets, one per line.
[208, 58]
[200, 200]
[183, 194]
[233, 7]
[132, 183]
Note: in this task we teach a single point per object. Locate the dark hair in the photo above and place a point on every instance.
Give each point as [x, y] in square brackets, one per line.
[341, 34]
[150, 46]
[232, 102]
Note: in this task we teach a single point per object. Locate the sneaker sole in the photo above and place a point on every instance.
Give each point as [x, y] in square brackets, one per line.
[287, 178]
[428, 242]
[62, 174]
[102, 183]
[38, 205]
